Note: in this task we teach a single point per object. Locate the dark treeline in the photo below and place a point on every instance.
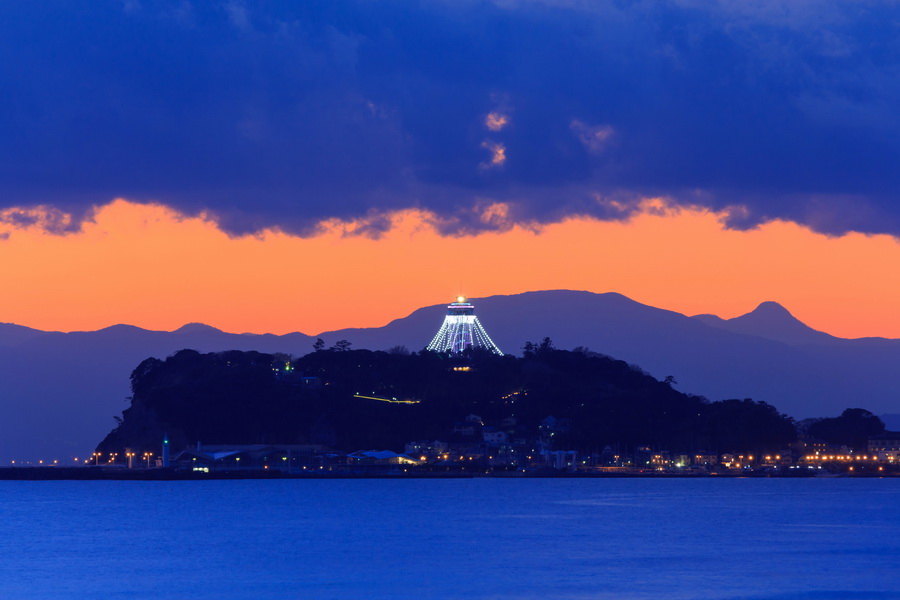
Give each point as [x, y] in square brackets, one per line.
[852, 428]
[251, 398]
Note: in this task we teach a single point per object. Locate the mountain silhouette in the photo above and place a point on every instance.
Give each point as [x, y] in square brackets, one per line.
[197, 328]
[772, 321]
[59, 392]
[12, 334]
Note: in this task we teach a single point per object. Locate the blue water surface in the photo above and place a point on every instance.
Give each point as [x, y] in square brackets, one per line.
[482, 539]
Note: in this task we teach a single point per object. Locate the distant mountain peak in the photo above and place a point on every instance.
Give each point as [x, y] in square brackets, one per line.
[771, 308]
[714, 320]
[118, 328]
[772, 321]
[772, 314]
[197, 328]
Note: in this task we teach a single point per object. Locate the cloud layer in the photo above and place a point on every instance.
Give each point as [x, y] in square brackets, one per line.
[281, 115]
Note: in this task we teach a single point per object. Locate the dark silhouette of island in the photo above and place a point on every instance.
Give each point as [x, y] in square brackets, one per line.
[361, 399]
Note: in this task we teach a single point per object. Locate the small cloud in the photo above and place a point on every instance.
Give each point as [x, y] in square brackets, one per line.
[620, 206]
[486, 215]
[496, 121]
[595, 138]
[616, 208]
[47, 218]
[738, 216]
[373, 225]
[496, 216]
[498, 154]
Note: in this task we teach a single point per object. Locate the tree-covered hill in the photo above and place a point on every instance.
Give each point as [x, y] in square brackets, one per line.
[250, 398]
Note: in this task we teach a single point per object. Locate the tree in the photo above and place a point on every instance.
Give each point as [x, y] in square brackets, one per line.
[531, 349]
[744, 426]
[319, 345]
[546, 346]
[853, 428]
[528, 350]
[341, 346]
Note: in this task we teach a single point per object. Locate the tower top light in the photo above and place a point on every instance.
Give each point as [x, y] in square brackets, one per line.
[460, 299]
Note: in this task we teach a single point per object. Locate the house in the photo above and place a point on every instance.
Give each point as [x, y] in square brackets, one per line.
[705, 459]
[468, 428]
[494, 437]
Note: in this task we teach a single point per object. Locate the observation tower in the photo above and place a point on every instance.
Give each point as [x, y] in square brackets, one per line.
[461, 330]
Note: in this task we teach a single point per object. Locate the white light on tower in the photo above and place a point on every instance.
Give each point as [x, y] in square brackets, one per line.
[461, 329]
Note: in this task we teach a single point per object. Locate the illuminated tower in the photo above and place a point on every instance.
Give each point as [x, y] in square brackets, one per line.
[461, 330]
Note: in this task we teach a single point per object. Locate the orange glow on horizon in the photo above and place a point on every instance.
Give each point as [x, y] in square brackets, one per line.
[150, 267]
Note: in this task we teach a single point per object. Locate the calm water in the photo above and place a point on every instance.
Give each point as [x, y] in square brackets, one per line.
[433, 539]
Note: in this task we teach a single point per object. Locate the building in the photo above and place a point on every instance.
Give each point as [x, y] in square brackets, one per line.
[494, 437]
[885, 442]
[284, 458]
[886, 446]
[426, 449]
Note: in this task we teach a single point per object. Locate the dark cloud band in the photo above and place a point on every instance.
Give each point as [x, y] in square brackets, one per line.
[285, 114]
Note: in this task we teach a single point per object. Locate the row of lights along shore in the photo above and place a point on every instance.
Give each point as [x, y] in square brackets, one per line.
[97, 459]
[149, 459]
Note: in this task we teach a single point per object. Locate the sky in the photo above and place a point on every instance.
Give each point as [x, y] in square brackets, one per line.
[286, 166]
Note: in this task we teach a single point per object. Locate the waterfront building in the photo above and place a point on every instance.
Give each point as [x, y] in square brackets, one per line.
[886, 446]
[706, 460]
[290, 458]
[885, 442]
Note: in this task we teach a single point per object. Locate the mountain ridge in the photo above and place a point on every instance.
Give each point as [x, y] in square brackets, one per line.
[772, 321]
[769, 313]
[63, 389]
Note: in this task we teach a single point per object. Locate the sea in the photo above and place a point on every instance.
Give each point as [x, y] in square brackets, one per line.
[473, 539]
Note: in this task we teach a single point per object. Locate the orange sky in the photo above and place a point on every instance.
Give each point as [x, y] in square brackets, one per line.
[145, 266]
